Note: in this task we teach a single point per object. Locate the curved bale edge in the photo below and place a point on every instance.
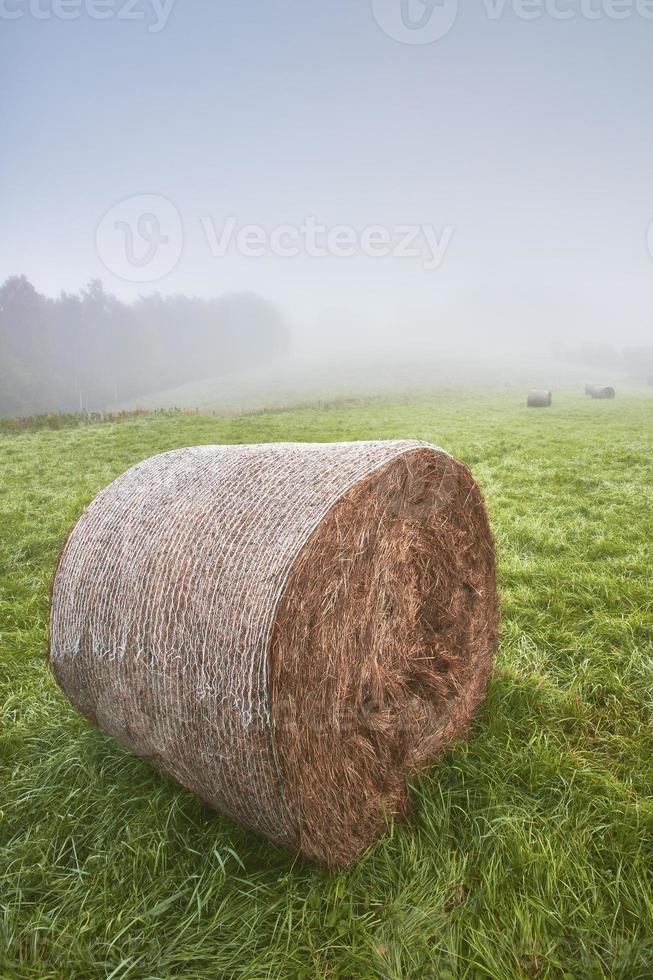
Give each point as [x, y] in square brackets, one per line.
[285, 630]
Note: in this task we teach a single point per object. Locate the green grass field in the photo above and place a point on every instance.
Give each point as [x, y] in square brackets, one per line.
[530, 850]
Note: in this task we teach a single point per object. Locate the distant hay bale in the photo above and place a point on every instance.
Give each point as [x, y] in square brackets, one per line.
[600, 391]
[286, 630]
[603, 391]
[539, 399]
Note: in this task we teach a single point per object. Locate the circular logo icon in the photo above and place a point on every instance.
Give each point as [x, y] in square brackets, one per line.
[415, 21]
[140, 239]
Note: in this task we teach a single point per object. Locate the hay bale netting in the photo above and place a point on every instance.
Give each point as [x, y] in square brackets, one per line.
[539, 399]
[286, 630]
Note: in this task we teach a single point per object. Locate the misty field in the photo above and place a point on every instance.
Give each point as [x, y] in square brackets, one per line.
[530, 849]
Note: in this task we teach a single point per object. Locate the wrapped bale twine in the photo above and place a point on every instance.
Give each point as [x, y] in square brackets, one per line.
[286, 630]
[539, 399]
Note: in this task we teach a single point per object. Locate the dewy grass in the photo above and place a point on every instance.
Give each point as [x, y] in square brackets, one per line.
[529, 852]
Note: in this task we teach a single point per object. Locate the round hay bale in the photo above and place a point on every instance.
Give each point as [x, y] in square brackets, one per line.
[286, 630]
[603, 391]
[539, 399]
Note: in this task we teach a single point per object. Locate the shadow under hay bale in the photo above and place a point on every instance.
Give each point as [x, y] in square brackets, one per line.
[286, 630]
[539, 399]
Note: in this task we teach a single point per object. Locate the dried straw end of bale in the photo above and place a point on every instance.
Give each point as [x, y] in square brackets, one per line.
[286, 630]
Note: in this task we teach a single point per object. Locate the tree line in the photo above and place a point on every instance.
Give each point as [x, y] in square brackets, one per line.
[88, 351]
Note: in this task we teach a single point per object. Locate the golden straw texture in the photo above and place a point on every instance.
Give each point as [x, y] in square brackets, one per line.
[227, 612]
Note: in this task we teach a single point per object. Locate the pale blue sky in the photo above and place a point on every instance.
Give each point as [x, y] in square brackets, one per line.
[530, 140]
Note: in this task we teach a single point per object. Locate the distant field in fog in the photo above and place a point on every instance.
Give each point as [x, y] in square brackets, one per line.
[309, 379]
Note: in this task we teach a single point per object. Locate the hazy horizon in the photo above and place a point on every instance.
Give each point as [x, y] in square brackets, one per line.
[362, 199]
[507, 154]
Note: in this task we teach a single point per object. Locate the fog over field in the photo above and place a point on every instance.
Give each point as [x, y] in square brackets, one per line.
[289, 379]
[90, 351]
[415, 194]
